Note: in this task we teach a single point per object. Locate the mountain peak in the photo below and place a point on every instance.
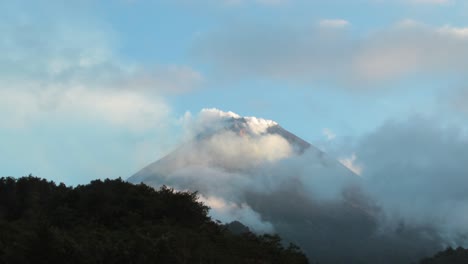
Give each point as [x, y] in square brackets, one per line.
[252, 170]
[212, 121]
[250, 124]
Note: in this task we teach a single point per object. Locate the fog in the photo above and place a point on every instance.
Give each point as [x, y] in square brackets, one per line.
[409, 200]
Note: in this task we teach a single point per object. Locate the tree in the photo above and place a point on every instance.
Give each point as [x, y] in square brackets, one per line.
[113, 221]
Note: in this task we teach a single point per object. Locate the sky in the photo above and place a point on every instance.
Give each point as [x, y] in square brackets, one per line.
[99, 89]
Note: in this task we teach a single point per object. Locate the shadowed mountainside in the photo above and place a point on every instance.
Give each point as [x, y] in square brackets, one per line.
[252, 170]
[448, 256]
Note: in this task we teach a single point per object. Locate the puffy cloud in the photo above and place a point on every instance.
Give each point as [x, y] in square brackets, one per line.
[416, 169]
[228, 211]
[329, 135]
[350, 163]
[211, 119]
[245, 144]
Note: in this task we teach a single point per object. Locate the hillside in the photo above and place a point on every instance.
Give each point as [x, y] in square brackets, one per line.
[448, 256]
[252, 170]
[113, 221]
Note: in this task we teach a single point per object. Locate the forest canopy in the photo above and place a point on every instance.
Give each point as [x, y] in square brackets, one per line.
[113, 221]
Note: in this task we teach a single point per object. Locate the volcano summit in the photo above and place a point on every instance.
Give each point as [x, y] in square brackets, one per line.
[254, 171]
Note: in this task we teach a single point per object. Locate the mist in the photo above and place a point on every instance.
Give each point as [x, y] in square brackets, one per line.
[408, 202]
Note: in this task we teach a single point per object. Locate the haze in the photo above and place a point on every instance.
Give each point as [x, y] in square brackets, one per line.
[101, 89]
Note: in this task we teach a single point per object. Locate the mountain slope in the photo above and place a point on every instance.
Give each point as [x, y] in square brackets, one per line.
[252, 170]
[231, 126]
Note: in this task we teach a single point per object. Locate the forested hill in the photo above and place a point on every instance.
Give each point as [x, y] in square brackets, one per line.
[113, 221]
[448, 256]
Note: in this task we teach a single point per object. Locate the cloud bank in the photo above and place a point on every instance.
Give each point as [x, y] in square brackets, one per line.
[327, 51]
[48, 72]
[61, 76]
[417, 170]
[409, 195]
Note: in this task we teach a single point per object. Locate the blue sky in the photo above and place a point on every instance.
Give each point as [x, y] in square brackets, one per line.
[96, 89]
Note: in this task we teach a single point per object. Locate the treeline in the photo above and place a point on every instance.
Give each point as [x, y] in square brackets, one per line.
[448, 256]
[113, 221]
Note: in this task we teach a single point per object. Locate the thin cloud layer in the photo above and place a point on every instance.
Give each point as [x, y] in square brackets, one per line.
[236, 3]
[334, 23]
[61, 71]
[305, 54]
[437, 2]
[459, 100]
[67, 68]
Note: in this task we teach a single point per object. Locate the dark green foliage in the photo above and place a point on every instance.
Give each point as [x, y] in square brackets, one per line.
[113, 221]
[237, 228]
[448, 256]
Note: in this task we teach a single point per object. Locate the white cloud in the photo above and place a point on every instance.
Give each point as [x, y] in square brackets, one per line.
[65, 69]
[227, 212]
[212, 118]
[329, 134]
[248, 145]
[350, 163]
[461, 32]
[127, 109]
[63, 85]
[208, 114]
[247, 150]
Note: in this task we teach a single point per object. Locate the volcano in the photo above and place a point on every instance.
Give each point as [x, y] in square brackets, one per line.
[206, 148]
[254, 171]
